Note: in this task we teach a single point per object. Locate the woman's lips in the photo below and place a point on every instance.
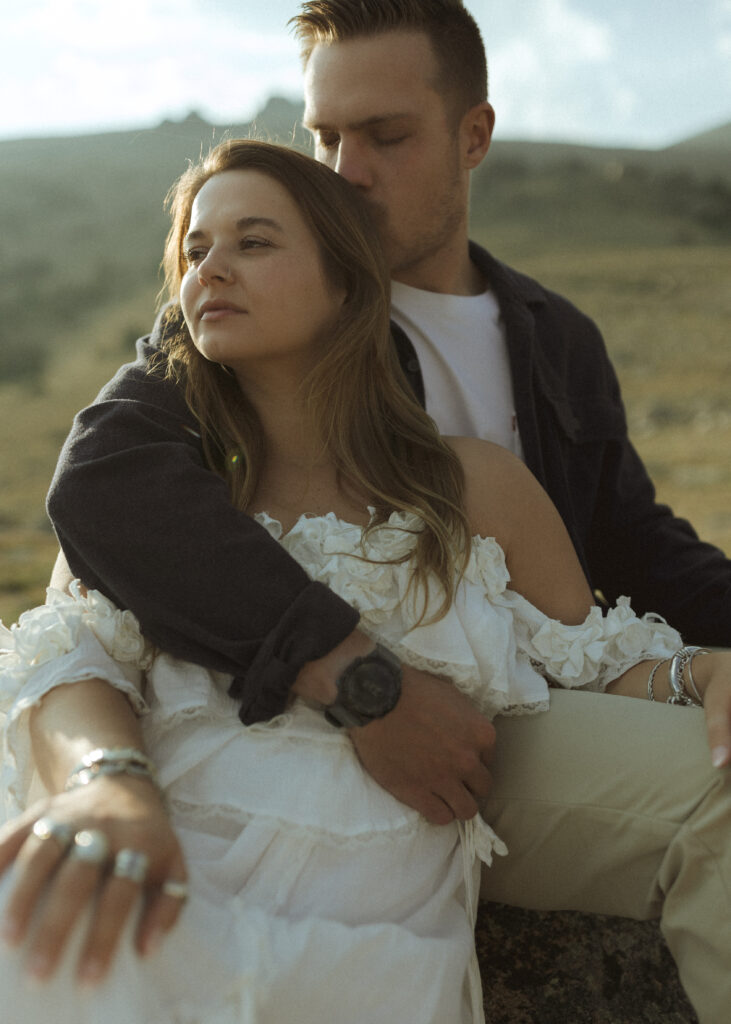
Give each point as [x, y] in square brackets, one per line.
[220, 313]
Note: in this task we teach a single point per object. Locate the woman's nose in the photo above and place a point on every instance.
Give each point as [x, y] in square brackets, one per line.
[215, 266]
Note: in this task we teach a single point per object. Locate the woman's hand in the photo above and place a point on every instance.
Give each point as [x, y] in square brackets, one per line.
[712, 673]
[712, 677]
[51, 887]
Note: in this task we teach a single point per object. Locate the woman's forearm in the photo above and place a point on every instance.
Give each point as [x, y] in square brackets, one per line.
[633, 683]
[712, 679]
[71, 720]
[636, 681]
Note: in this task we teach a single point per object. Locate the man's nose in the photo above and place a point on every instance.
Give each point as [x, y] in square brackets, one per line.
[354, 165]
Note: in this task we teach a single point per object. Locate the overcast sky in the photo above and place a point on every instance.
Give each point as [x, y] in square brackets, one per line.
[640, 72]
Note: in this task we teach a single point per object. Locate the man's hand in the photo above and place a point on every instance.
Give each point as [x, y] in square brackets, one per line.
[432, 751]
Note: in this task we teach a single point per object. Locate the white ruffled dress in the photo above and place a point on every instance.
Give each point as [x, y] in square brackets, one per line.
[315, 895]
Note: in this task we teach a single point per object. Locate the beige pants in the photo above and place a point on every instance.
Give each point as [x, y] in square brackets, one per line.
[610, 805]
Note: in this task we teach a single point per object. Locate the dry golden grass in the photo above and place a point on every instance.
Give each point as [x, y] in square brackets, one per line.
[33, 424]
[666, 317]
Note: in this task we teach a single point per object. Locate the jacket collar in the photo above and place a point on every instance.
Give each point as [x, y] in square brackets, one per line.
[508, 284]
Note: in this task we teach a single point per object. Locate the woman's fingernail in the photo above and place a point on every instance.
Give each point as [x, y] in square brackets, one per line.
[719, 756]
[39, 965]
[154, 941]
[90, 971]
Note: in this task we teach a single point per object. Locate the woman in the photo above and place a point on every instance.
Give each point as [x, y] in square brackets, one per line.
[314, 894]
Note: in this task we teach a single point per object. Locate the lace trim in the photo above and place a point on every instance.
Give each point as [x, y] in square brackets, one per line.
[237, 1004]
[163, 721]
[210, 813]
[464, 678]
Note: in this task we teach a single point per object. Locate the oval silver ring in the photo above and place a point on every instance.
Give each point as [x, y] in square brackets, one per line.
[131, 864]
[90, 847]
[175, 890]
[47, 828]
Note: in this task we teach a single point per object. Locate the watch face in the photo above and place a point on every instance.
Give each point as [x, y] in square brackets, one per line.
[369, 689]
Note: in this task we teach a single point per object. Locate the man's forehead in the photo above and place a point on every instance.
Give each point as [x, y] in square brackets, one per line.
[359, 82]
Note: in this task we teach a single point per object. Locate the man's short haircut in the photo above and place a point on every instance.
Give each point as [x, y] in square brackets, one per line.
[451, 29]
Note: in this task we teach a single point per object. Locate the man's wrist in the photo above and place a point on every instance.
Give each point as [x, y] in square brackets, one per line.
[317, 680]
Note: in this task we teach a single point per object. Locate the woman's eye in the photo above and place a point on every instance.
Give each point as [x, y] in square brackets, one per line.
[193, 256]
[253, 243]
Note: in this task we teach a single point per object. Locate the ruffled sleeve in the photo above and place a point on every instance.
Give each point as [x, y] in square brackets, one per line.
[70, 638]
[595, 652]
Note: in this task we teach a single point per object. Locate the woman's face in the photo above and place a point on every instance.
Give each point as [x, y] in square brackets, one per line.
[255, 289]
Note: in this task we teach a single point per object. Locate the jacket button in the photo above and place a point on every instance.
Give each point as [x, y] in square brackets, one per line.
[413, 366]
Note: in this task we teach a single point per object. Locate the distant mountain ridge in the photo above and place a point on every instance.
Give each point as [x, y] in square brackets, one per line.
[716, 138]
[280, 120]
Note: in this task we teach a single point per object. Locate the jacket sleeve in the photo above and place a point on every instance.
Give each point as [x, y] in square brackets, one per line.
[640, 548]
[141, 518]
[634, 545]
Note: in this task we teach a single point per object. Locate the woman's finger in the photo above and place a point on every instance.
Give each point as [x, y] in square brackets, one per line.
[74, 885]
[717, 704]
[39, 856]
[164, 907]
[114, 905]
[14, 833]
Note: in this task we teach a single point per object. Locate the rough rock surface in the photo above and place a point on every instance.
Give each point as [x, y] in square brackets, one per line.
[569, 968]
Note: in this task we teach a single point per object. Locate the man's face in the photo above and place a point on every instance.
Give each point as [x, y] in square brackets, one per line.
[378, 121]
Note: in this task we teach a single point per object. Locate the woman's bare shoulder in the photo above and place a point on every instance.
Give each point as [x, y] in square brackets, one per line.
[496, 483]
[505, 501]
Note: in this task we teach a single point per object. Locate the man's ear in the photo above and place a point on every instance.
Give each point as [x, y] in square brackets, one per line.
[476, 133]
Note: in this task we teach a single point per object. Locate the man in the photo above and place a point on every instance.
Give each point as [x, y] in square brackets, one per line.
[396, 98]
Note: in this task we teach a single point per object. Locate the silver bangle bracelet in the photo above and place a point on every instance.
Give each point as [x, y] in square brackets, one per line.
[679, 695]
[651, 680]
[693, 686]
[116, 755]
[83, 776]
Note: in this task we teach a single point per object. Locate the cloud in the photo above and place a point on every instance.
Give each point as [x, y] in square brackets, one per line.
[539, 62]
[100, 63]
[722, 24]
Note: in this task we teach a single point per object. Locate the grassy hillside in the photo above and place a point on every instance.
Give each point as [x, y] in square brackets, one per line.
[643, 250]
[83, 220]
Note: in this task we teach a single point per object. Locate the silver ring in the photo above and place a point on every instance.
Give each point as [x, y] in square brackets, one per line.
[131, 864]
[47, 828]
[90, 847]
[175, 890]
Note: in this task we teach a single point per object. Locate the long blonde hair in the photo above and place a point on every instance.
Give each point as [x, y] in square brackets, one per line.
[378, 437]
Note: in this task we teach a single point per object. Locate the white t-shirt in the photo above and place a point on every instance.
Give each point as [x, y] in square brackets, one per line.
[460, 343]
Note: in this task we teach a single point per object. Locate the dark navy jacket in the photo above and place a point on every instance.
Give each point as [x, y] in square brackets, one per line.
[141, 518]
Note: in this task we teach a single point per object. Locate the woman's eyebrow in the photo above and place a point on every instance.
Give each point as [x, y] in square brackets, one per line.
[250, 222]
[241, 224]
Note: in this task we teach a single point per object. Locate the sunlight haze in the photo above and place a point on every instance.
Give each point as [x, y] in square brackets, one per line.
[637, 72]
